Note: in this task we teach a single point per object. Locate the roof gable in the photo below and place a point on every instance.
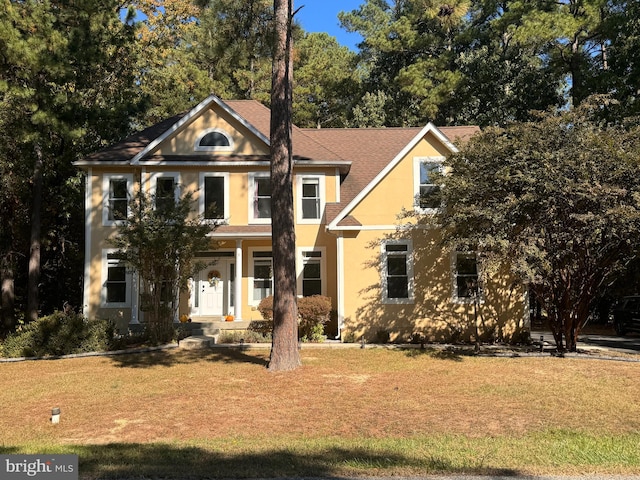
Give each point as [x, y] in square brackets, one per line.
[190, 117]
[375, 152]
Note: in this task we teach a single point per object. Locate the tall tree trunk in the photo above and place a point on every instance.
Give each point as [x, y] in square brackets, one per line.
[34, 249]
[8, 293]
[284, 348]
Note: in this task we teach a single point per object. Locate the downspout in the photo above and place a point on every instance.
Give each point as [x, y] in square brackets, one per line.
[88, 216]
[340, 280]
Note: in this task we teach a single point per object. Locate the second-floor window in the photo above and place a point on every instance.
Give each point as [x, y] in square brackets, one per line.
[426, 190]
[164, 187]
[260, 197]
[310, 198]
[117, 190]
[213, 199]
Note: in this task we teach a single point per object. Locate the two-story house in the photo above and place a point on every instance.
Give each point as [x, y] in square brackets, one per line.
[350, 185]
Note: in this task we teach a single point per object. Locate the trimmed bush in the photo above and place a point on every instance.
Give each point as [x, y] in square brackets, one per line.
[60, 334]
[313, 313]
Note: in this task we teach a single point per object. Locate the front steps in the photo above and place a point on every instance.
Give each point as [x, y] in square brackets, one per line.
[203, 334]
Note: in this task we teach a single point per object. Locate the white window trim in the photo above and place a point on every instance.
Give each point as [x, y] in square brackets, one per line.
[417, 161]
[103, 287]
[300, 262]
[106, 178]
[251, 273]
[410, 278]
[153, 178]
[321, 192]
[212, 148]
[225, 214]
[454, 279]
[251, 190]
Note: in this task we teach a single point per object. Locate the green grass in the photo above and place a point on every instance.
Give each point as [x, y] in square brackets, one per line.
[554, 451]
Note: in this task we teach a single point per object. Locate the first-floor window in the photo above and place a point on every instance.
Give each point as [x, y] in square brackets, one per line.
[397, 272]
[116, 284]
[311, 273]
[262, 275]
[466, 282]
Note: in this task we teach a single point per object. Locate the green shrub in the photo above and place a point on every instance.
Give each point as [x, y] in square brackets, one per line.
[60, 334]
[313, 313]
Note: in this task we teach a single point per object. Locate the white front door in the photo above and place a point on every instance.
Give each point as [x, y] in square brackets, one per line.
[213, 290]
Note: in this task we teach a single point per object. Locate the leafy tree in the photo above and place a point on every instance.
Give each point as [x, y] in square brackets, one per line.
[504, 76]
[284, 349]
[326, 79]
[409, 53]
[160, 245]
[65, 87]
[234, 45]
[370, 111]
[558, 200]
[570, 35]
[170, 78]
[623, 29]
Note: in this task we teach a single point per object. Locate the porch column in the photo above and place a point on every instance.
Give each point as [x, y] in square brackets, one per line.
[237, 293]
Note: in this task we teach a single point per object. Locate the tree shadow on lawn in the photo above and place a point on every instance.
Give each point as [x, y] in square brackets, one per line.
[168, 358]
[121, 460]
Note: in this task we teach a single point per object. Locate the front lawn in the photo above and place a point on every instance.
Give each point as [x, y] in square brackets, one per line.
[220, 413]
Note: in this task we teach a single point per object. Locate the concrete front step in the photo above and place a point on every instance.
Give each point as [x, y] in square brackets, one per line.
[214, 327]
[196, 342]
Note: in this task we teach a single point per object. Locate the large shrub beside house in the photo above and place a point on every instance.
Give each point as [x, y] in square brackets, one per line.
[59, 334]
[313, 313]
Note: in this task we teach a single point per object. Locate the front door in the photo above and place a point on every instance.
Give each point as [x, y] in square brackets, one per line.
[213, 290]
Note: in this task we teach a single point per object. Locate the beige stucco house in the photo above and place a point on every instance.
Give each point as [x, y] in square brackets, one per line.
[384, 278]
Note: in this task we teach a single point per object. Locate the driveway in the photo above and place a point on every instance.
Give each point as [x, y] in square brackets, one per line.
[627, 344]
[608, 341]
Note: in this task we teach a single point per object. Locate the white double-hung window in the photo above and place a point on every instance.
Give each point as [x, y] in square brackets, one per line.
[164, 189]
[261, 274]
[397, 271]
[259, 198]
[117, 190]
[311, 271]
[310, 198]
[466, 278]
[116, 281]
[425, 187]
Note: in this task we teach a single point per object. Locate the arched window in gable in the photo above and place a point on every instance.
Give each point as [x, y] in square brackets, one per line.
[213, 140]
